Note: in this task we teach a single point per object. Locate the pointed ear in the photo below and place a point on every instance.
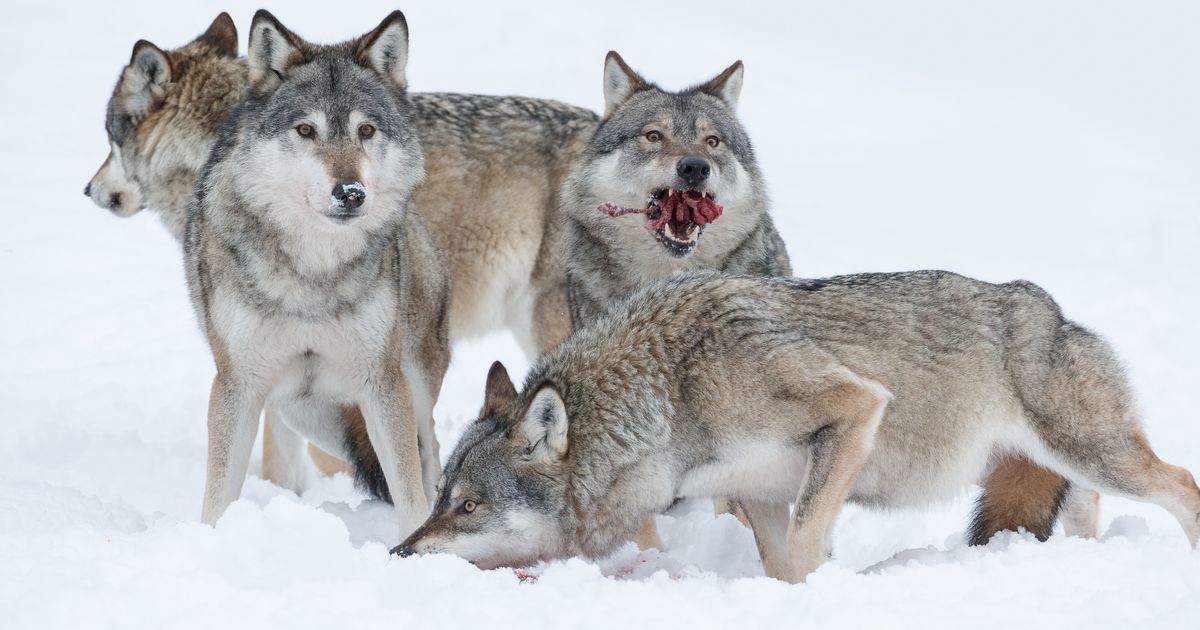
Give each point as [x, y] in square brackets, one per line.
[385, 49]
[543, 431]
[620, 82]
[148, 73]
[727, 86]
[222, 35]
[499, 390]
[273, 49]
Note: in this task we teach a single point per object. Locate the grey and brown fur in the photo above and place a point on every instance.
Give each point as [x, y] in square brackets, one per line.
[313, 274]
[494, 167]
[887, 390]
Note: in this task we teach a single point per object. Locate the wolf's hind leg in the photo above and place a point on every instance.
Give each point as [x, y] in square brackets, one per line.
[769, 521]
[1017, 494]
[282, 449]
[847, 409]
[1083, 413]
[1080, 512]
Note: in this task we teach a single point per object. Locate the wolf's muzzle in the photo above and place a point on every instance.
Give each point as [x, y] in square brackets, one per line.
[693, 170]
[403, 551]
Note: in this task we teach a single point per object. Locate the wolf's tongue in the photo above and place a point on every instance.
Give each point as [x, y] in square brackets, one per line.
[676, 206]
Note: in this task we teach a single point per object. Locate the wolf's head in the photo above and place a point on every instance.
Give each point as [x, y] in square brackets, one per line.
[502, 496]
[679, 157]
[162, 120]
[327, 137]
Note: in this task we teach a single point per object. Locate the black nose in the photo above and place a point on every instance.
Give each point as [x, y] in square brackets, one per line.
[694, 170]
[87, 190]
[349, 195]
[403, 551]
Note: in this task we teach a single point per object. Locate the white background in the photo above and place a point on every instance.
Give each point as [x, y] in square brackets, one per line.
[1053, 141]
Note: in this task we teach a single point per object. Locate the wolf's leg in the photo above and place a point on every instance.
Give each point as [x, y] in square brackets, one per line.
[848, 413]
[647, 536]
[722, 505]
[328, 464]
[1017, 493]
[769, 521]
[392, 427]
[233, 409]
[1082, 411]
[427, 442]
[283, 449]
[1081, 512]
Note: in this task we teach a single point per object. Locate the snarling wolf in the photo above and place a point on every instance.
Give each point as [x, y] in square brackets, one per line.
[668, 183]
[498, 226]
[884, 389]
[313, 274]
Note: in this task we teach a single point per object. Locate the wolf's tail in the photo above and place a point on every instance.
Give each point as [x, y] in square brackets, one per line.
[368, 473]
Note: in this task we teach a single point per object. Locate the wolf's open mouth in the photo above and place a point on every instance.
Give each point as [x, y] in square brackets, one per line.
[677, 217]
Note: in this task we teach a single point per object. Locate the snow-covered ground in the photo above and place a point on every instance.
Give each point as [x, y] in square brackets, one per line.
[1052, 141]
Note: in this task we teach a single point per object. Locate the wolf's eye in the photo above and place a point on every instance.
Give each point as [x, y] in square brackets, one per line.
[365, 131]
[654, 136]
[713, 141]
[305, 130]
[469, 506]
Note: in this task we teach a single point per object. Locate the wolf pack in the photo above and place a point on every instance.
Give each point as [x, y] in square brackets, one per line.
[341, 233]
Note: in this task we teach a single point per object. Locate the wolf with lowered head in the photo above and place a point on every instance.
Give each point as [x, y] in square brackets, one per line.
[312, 273]
[884, 389]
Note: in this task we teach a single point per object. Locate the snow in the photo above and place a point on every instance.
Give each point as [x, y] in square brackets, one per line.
[1055, 142]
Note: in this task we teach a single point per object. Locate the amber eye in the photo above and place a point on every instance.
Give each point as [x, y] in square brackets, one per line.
[654, 136]
[469, 506]
[305, 130]
[713, 141]
[365, 131]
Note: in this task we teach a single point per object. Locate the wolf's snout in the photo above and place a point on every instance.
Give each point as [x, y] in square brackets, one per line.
[693, 170]
[349, 195]
[403, 550]
[87, 190]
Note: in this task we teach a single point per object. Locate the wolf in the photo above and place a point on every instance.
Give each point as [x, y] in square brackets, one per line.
[887, 390]
[498, 227]
[683, 159]
[313, 275]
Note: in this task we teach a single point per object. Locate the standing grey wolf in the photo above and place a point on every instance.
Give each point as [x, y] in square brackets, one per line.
[498, 226]
[884, 389]
[313, 275]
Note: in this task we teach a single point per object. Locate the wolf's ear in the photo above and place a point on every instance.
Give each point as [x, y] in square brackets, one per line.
[148, 73]
[543, 430]
[273, 49]
[222, 35]
[499, 390]
[727, 86]
[385, 49]
[620, 82]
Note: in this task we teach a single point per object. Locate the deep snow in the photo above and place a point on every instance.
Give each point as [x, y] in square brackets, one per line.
[1055, 143]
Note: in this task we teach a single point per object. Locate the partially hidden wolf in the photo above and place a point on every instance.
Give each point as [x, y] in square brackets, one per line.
[884, 389]
[313, 274]
[494, 166]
